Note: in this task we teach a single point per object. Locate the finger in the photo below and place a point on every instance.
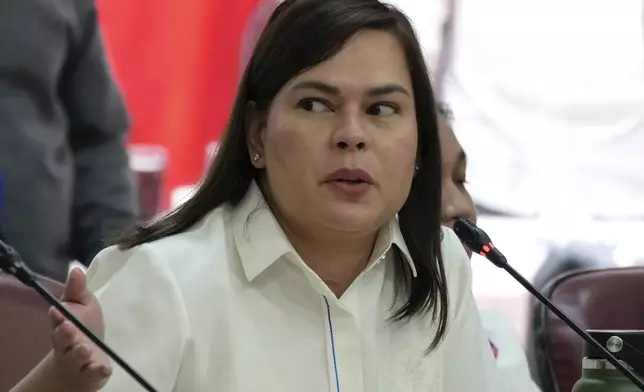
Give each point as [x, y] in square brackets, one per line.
[79, 355]
[75, 359]
[55, 317]
[76, 288]
[97, 370]
[64, 337]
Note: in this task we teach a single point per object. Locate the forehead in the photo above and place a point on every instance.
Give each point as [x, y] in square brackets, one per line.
[368, 59]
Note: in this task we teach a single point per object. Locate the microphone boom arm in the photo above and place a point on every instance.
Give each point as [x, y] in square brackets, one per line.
[583, 334]
[479, 242]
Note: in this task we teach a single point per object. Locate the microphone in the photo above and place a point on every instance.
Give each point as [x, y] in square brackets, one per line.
[11, 263]
[478, 241]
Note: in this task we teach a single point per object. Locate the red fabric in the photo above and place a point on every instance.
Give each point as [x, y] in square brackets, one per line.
[178, 65]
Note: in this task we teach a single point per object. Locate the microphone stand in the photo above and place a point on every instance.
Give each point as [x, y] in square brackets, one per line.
[479, 242]
[9, 263]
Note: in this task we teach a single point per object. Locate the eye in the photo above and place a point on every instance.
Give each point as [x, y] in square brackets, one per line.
[383, 109]
[314, 105]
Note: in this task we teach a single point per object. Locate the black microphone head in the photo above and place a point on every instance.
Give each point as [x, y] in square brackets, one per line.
[464, 226]
[11, 263]
[467, 232]
[478, 241]
[8, 257]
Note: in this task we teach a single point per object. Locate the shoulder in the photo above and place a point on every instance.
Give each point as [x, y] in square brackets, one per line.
[53, 27]
[72, 11]
[182, 261]
[160, 296]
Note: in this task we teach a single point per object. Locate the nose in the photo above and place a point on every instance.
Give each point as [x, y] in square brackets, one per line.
[455, 206]
[350, 135]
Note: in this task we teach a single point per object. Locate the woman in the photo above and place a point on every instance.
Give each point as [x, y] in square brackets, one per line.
[288, 270]
[457, 203]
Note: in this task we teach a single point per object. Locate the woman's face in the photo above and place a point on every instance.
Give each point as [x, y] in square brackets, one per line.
[339, 142]
[456, 201]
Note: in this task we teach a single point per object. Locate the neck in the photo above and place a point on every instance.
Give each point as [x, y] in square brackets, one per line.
[337, 261]
[337, 258]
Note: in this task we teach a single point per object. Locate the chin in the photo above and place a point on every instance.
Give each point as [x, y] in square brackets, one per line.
[352, 219]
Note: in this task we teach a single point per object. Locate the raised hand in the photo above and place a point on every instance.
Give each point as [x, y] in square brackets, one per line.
[77, 361]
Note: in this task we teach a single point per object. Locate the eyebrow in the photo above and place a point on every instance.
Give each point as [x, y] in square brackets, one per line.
[332, 90]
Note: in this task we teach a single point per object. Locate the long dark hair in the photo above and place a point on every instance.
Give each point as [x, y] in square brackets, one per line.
[299, 35]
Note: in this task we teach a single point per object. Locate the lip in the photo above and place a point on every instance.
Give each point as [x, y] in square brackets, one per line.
[350, 174]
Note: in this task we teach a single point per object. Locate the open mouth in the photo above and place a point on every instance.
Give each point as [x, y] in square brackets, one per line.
[350, 179]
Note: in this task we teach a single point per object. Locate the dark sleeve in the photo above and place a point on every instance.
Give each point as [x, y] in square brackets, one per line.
[104, 195]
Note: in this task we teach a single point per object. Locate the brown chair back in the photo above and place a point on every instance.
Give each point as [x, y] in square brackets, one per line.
[595, 299]
[25, 329]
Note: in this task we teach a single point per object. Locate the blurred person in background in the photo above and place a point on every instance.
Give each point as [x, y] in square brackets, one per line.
[67, 185]
[457, 203]
[548, 99]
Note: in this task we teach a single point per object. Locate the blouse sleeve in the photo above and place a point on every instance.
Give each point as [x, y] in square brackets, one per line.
[145, 321]
[469, 361]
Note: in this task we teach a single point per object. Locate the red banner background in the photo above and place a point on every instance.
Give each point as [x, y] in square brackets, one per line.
[178, 64]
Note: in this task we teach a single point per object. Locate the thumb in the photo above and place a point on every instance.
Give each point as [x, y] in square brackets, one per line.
[76, 288]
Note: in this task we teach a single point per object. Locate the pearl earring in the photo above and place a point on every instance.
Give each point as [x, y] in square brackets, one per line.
[256, 157]
[417, 168]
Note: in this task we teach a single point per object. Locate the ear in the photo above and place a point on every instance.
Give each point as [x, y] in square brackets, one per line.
[255, 128]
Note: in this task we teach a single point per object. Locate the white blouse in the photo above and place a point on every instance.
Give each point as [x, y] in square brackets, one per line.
[230, 306]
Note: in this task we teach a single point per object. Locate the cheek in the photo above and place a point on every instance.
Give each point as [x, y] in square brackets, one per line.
[398, 161]
[471, 209]
[398, 157]
[282, 144]
[446, 183]
[292, 153]
[286, 145]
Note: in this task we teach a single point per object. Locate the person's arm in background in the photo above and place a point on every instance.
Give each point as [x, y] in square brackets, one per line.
[104, 202]
[431, 20]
